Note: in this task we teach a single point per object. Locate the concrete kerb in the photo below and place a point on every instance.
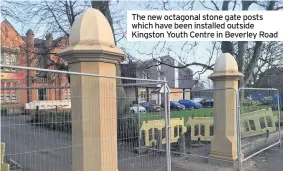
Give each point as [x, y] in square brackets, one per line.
[253, 145]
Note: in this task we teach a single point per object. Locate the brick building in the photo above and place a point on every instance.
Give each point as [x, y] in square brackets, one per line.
[31, 52]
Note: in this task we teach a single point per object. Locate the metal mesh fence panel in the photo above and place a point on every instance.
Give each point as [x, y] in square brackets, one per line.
[258, 120]
[192, 122]
[46, 126]
[141, 129]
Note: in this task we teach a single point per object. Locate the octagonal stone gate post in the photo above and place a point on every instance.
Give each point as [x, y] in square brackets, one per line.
[94, 120]
[225, 78]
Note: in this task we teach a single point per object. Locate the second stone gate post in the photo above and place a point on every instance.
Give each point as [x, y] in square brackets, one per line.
[225, 79]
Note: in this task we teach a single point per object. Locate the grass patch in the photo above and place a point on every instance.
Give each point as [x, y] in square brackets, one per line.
[205, 112]
[252, 108]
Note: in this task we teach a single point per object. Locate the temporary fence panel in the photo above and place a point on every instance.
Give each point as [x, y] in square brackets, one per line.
[258, 121]
[152, 128]
[4, 166]
[54, 138]
[201, 128]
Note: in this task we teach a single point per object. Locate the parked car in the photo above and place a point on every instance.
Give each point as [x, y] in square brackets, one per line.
[150, 107]
[207, 102]
[189, 104]
[135, 108]
[197, 99]
[176, 106]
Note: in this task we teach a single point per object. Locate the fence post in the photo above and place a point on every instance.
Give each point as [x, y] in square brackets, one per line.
[225, 76]
[279, 116]
[94, 118]
[167, 124]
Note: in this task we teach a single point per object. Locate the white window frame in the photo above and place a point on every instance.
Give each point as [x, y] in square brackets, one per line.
[8, 96]
[13, 62]
[45, 96]
[9, 59]
[67, 94]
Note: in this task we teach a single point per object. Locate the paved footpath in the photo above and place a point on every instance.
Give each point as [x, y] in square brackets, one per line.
[269, 160]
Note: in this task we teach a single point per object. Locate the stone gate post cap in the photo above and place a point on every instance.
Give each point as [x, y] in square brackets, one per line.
[226, 63]
[91, 27]
[225, 66]
[91, 40]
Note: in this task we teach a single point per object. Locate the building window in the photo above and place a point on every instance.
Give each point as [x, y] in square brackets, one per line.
[37, 65]
[144, 75]
[8, 92]
[143, 95]
[270, 79]
[13, 62]
[42, 94]
[67, 94]
[9, 59]
[14, 98]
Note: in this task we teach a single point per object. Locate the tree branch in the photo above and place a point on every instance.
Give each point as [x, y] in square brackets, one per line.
[57, 22]
[216, 7]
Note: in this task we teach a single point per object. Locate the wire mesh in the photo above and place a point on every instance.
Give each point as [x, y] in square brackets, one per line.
[259, 120]
[36, 120]
[191, 139]
[46, 126]
[141, 142]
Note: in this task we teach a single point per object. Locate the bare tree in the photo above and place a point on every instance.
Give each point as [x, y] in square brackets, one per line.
[247, 54]
[199, 85]
[56, 17]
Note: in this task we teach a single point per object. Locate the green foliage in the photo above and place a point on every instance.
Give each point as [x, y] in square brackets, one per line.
[252, 105]
[266, 102]
[54, 120]
[204, 112]
[127, 122]
[128, 127]
[3, 111]
[247, 103]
